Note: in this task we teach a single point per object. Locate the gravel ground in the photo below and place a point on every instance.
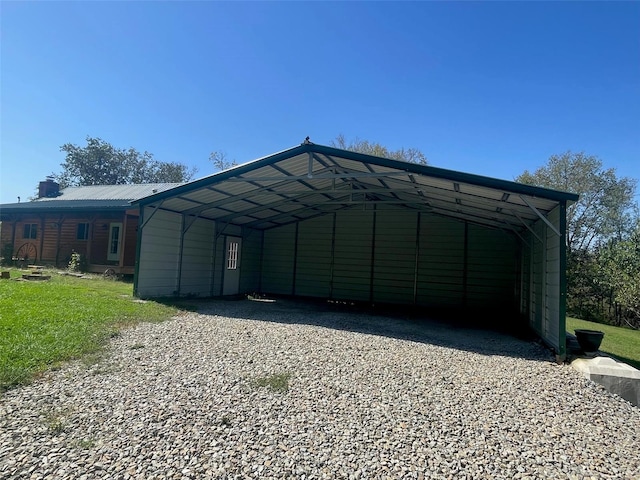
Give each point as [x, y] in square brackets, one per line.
[252, 389]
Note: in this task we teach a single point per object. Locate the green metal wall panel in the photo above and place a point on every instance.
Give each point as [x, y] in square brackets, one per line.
[491, 269]
[160, 258]
[197, 259]
[278, 258]
[441, 262]
[250, 261]
[394, 259]
[314, 260]
[352, 255]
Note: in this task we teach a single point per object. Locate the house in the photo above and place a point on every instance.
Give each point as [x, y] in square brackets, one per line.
[316, 221]
[96, 221]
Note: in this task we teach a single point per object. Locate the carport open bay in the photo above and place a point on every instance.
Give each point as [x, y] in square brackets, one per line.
[283, 389]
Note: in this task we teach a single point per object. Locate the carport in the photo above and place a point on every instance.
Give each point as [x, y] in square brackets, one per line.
[316, 221]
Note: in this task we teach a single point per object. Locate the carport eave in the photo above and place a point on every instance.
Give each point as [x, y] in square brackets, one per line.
[334, 153]
[442, 173]
[222, 176]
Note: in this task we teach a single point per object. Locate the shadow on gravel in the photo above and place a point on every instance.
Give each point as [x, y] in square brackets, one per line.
[457, 330]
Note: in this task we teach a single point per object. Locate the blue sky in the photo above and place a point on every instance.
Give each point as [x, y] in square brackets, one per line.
[491, 88]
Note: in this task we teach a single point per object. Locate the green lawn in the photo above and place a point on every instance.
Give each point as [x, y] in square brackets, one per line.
[619, 342]
[43, 323]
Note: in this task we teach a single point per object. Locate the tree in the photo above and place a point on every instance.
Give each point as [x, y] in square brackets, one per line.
[605, 209]
[412, 155]
[220, 161]
[619, 265]
[100, 163]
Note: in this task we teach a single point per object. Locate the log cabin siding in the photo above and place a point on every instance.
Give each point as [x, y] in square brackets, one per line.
[57, 236]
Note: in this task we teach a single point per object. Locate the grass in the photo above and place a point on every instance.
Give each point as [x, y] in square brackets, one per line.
[45, 323]
[278, 382]
[619, 342]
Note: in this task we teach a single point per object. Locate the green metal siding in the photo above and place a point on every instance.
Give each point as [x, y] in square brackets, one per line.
[197, 258]
[394, 258]
[278, 260]
[314, 262]
[491, 269]
[552, 285]
[250, 260]
[352, 255]
[440, 262]
[159, 260]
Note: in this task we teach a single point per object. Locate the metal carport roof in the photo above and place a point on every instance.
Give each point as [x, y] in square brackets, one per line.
[310, 180]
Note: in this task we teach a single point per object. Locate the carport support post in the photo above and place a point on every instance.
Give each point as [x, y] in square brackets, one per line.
[181, 248]
[562, 308]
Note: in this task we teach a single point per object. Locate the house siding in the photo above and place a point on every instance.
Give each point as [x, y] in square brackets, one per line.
[56, 238]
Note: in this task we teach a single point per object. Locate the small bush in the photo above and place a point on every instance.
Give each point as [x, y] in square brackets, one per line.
[77, 262]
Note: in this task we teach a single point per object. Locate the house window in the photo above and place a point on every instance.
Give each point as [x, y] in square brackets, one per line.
[30, 230]
[82, 233]
[232, 256]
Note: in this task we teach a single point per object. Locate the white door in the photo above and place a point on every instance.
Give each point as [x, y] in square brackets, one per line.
[231, 285]
[115, 242]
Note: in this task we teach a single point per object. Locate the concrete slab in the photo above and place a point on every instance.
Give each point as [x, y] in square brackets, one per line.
[617, 377]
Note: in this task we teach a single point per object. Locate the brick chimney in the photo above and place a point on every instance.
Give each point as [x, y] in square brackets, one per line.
[48, 189]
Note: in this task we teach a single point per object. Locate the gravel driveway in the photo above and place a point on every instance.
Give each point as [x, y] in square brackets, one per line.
[249, 389]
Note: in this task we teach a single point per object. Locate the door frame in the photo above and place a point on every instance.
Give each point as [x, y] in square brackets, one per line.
[114, 257]
[231, 266]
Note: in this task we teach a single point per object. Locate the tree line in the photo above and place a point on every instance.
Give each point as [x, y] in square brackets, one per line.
[603, 226]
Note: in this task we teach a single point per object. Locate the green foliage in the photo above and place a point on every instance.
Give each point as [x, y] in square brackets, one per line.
[412, 155]
[56, 423]
[619, 273]
[7, 254]
[84, 443]
[605, 209]
[45, 323]
[622, 343]
[77, 263]
[100, 163]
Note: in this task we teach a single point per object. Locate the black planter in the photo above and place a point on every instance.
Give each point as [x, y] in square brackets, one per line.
[589, 340]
